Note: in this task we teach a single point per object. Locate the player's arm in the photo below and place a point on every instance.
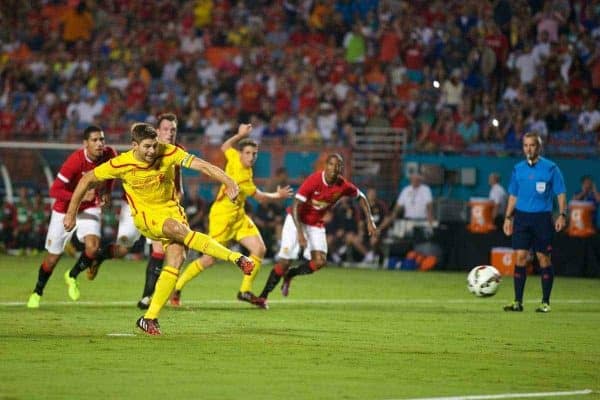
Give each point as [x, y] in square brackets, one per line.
[87, 182]
[243, 132]
[60, 191]
[558, 185]
[561, 220]
[366, 208]
[509, 215]
[216, 173]
[296, 218]
[281, 193]
[62, 187]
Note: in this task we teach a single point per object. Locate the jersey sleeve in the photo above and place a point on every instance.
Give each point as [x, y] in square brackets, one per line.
[62, 187]
[69, 170]
[351, 190]
[231, 154]
[109, 170]
[513, 186]
[307, 187]
[558, 183]
[177, 156]
[60, 191]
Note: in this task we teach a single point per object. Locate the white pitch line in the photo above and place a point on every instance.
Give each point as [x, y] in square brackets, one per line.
[306, 301]
[509, 395]
[120, 334]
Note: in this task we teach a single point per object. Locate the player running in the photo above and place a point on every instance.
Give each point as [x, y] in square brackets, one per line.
[148, 175]
[87, 213]
[128, 234]
[228, 220]
[304, 227]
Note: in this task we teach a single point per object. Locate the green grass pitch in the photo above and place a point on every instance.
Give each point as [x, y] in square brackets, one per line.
[342, 334]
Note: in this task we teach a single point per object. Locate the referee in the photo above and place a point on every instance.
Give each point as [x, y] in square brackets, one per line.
[528, 218]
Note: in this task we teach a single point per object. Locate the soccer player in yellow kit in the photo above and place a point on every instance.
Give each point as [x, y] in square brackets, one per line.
[228, 221]
[148, 175]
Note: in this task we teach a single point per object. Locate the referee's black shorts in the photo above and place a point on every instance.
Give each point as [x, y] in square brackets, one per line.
[533, 230]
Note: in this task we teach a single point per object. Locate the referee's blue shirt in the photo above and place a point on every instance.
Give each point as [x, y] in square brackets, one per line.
[535, 186]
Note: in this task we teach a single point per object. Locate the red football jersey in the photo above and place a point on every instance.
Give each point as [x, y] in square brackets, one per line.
[69, 175]
[317, 197]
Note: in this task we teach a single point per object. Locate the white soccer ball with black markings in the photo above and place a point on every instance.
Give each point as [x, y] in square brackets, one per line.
[484, 281]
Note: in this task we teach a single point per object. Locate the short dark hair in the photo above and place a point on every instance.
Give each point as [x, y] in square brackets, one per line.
[247, 142]
[141, 131]
[168, 116]
[585, 178]
[89, 130]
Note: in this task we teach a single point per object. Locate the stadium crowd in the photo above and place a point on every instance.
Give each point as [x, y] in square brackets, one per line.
[460, 75]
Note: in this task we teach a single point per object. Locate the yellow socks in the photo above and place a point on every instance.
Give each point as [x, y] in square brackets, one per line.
[191, 271]
[205, 244]
[249, 279]
[162, 291]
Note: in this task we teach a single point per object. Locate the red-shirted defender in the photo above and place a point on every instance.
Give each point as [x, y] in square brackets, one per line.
[93, 153]
[304, 227]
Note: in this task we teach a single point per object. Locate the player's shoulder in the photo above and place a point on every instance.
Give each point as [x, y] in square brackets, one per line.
[342, 181]
[521, 164]
[123, 160]
[179, 145]
[313, 179]
[547, 163]
[78, 154]
[77, 157]
[166, 147]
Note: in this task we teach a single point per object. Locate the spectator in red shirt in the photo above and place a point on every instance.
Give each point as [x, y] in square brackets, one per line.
[7, 123]
[249, 92]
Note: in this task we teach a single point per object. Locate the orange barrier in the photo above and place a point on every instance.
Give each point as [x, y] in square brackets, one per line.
[581, 215]
[482, 220]
[503, 259]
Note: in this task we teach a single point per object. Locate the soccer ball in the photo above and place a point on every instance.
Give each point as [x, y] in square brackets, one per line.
[483, 281]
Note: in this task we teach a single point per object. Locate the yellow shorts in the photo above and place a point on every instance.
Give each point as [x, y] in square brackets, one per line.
[224, 228]
[150, 223]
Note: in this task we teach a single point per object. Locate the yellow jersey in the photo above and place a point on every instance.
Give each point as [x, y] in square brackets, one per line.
[147, 186]
[223, 206]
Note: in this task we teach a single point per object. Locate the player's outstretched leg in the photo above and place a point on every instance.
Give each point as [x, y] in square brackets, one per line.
[245, 293]
[305, 268]
[274, 277]
[205, 244]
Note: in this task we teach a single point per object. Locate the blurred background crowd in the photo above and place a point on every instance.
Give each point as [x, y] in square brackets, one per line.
[459, 75]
